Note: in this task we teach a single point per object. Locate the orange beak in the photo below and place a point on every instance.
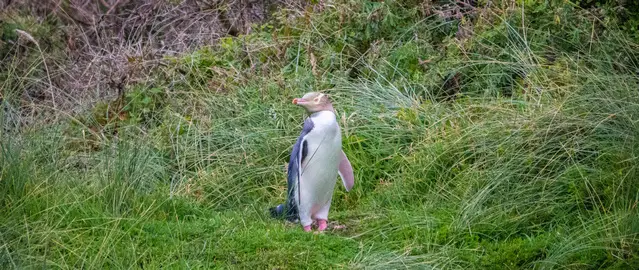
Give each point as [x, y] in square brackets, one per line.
[298, 100]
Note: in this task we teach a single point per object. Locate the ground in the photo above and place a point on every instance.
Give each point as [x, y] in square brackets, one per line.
[498, 136]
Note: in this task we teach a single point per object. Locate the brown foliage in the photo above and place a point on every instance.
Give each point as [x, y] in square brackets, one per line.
[110, 44]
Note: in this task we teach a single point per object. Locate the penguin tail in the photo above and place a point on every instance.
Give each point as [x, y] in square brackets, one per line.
[277, 211]
[280, 212]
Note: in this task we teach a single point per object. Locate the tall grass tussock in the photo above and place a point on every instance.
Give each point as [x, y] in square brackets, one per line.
[483, 136]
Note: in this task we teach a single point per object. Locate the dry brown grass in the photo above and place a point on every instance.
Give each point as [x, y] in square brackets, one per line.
[99, 48]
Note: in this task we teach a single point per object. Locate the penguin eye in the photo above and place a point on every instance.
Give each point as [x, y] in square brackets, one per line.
[316, 100]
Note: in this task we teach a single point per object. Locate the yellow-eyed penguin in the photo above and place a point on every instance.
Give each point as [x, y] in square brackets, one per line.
[316, 160]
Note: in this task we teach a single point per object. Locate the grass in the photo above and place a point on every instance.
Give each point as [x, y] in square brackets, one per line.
[531, 164]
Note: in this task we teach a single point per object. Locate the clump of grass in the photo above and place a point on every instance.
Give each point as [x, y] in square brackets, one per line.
[510, 148]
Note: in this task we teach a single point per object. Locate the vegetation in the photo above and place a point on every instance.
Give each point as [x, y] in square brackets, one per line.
[494, 135]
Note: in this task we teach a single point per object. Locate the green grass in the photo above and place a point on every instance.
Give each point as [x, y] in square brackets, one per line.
[517, 171]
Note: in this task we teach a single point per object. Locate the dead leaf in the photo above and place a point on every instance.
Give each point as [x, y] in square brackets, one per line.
[423, 62]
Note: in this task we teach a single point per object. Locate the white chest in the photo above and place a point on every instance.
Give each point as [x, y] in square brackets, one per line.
[324, 144]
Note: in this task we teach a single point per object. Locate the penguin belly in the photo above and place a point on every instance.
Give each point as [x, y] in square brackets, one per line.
[318, 173]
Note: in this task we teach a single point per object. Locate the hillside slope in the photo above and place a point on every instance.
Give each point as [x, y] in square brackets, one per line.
[482, 137]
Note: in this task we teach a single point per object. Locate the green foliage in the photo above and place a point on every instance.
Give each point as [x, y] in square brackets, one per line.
[623, 14]
[514, 253]
[514, 146]
[144, 104]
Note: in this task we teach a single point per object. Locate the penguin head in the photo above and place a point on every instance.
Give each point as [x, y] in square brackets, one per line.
[314, 102]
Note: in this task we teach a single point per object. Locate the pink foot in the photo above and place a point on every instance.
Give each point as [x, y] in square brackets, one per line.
[322, 224]
[307, 228]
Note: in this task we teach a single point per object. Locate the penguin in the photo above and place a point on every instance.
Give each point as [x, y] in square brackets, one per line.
[316, 160]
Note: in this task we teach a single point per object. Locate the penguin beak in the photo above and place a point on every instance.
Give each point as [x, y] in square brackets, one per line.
[299, 101]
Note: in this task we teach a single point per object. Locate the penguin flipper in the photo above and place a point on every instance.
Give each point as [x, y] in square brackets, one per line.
[345, 171]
